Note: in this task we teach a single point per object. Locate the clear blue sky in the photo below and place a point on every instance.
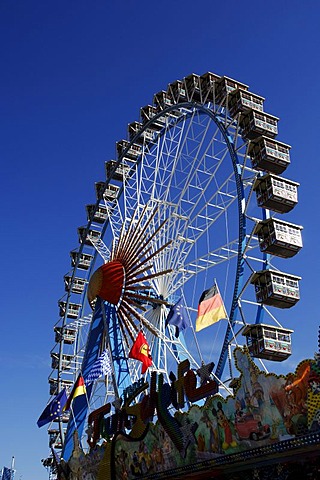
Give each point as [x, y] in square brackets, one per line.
[73, 75]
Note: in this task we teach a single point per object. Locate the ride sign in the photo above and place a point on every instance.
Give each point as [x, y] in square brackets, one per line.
[132, 419]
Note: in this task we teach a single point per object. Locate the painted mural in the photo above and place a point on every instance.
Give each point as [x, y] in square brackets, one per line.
[264, 408]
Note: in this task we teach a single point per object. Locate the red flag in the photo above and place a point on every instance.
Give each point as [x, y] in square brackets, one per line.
[79, 388]
[140, 351]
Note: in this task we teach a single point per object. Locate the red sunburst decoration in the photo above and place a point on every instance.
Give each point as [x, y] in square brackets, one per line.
[107, 282]
[124, 280]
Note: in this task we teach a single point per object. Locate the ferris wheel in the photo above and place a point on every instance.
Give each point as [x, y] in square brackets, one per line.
[188, 203]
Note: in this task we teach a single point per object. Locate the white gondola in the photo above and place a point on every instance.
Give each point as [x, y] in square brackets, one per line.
[244, 101]
[146, 136]
[193, 88]
[128, 151]
[97, 215]
[76, 285]
[66, 335]
[72, 311]
[87, 236]
[162, 100]
[65, 361]
[268, 342]
[120, 173]
[83, 260]
[54, 386]
[106, 192]
[208, 82]
[148, 112]
[276, 193]
[254, 124]
[178, 91]
[278, 237]
[277, 289]
[269, 155]
[226, 85]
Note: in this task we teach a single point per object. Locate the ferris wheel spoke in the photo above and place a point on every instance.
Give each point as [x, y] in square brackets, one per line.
[210, 260]
[101, 248]
[189, 231]
[190, 152]
[114, 217]
[193, 231]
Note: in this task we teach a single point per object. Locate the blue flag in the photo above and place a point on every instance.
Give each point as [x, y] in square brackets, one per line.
[53, 409]
[102, 366]
[7, 474]
[178, 317]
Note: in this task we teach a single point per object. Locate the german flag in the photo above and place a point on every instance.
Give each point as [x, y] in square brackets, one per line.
[79, 388]
[211, 308]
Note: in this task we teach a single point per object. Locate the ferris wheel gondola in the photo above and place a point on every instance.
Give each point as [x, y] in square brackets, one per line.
[185, 205]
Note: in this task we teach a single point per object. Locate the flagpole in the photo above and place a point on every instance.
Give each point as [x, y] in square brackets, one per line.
[12, 467]
[233, 334]
[73, 417]
[194, 333]
[232, 331]
[196, 340]
[217, 290]
[227, 316]
[85, 392]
